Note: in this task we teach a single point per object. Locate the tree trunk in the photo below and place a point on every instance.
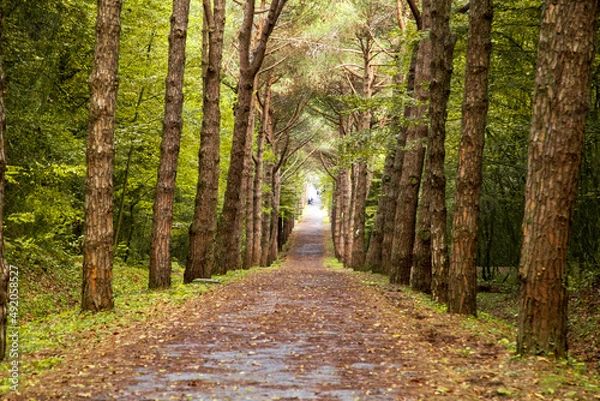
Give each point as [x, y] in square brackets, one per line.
[229, 227]
[259, 177]
[249, 245]
[121, 211]
[462, 285]
[561, 101]
[98, 230]
[412, 169]
[286, 230]
[362, 170]
[389, 225]
[346, 189]
[200, 258]
[386, 206]
[420, 279]
[249, 191]
[132, 227]
[274, 231]
[373, 258]
[4, 268]
[266, 215]
[160, 254]
[337, 218]
[442, 49]
[360, 205]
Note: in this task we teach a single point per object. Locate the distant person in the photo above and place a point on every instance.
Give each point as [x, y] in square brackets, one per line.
[310, 201]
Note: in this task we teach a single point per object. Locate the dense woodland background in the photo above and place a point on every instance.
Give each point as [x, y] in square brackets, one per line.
[315, 76]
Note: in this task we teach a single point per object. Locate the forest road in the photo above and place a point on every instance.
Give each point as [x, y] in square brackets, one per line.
[297, 332]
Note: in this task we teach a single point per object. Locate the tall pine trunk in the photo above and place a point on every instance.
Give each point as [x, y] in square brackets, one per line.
[373, 257]
[412, 168]
[386, 203]
[160, 254]
[346, 190]
[462, 286]
[389, 209]
[273, 245]
[200, 258]
[336, 221]
[230, 224]
[259, 178]
[561, 102]
[248, 189]
[360, 205]
[266, 215]
[229, 227]
[362, 166]
[420, 278]
[96, 292]
[442, 49]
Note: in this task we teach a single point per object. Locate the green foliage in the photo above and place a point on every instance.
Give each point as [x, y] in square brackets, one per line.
[584, 249]
[333, 263]
[291, 195]
[514, 47]
[47, 58]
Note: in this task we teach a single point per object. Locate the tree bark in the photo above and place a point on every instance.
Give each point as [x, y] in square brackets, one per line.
[442, 46]
[265, 130]
[336, 221]
[561, 103]
[360, 205]
[373, 257]
[462, 286]
[200, 258]
[420, 278]
[412, 169]
[386, 204]
[4, 268]
[98, 229]
[346, 190]
[249, 245]
[274, 230]
[362, 166]
[229, 228]
[266, 215]
[389, 209]
[248, 189]
[160, 254]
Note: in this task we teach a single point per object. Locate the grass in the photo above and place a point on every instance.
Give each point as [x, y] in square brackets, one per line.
[333, 263]
[51, 319]
[498, 312]
[496, 322]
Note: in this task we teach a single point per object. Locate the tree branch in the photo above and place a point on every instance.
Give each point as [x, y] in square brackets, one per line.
[283, 174]
[416, 13]
[464, 9]
[327, 169]
[208, 14]
[273, 66]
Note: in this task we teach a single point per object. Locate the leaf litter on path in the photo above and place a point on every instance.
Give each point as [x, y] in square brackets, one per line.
[303, 332]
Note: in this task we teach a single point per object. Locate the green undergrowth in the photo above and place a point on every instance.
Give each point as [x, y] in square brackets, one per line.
[333, 263]
[43, 334]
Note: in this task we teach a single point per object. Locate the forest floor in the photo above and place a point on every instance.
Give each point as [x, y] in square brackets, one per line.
[307, 332]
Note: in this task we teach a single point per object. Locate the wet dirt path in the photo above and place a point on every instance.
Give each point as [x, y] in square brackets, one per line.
[300, 332]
